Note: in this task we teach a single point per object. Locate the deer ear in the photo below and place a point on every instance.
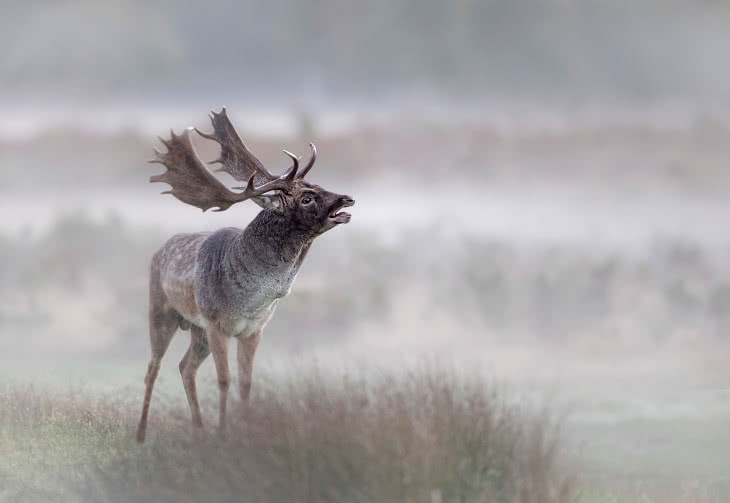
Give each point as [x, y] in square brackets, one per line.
[270, 202]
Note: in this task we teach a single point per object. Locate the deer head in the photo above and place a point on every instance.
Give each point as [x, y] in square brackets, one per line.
[309, 206]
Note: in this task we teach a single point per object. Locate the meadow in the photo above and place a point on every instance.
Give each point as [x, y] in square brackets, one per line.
[533, 337]
[423, 435]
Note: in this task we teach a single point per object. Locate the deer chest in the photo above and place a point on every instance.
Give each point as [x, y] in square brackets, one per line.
[257, 305]
[248, 323]
[258, 302]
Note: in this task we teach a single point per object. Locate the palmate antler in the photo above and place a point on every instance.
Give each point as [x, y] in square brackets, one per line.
[236, 159]
[194, 184]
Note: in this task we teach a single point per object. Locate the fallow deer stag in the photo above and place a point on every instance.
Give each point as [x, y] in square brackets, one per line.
[227, 283]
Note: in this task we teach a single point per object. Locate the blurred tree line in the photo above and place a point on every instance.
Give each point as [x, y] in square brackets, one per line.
[561, 49]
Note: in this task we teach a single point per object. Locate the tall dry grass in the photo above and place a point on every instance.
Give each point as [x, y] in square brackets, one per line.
[423, 435]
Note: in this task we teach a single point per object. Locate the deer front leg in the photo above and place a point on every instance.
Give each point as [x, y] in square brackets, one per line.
[218, 343]
[246, 352]
[197, 353]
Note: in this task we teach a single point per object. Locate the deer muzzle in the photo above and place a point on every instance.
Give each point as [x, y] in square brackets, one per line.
[341, 217]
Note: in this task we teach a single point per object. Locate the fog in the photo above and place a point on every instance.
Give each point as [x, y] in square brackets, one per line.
[542, 198]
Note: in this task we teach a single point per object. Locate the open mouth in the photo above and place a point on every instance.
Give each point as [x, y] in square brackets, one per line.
[341, 217]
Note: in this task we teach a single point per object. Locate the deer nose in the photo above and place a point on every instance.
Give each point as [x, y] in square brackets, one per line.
[347, 201]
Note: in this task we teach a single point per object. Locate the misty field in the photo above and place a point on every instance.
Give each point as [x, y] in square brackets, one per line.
[586, 325]
[67, 281]
[312, 434]
[613, 360]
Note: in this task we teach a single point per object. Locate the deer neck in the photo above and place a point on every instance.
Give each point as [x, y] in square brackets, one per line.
[274, 241]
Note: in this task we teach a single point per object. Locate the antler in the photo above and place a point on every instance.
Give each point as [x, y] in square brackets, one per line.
[194, 184]
[311, 161]
[236, 159]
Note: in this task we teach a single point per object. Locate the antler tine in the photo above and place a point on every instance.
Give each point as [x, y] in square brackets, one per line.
[165, 142]
[250, 190]
[282, 182]
[294, 168]
[158, 157]
[311, 161]
[207, 136]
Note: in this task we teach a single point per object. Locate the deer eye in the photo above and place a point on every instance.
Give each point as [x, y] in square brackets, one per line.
[306, 200]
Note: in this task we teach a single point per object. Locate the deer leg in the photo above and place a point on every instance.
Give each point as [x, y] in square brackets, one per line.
[218, 343]
[196, 354]
[246, 352]
[163, 324]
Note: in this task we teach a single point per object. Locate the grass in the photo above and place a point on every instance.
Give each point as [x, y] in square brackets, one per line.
[311, 435]
[424, 435]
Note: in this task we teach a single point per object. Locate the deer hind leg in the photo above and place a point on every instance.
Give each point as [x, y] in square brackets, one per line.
[196, 354]
[164, 320]
[246, 352]
[218, 343]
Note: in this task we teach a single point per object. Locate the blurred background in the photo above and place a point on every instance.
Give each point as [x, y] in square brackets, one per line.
[542, 190]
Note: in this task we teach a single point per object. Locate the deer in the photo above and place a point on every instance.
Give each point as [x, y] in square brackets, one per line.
[227, 283]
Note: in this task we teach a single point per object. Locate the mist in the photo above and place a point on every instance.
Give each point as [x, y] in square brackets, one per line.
[542, 196]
